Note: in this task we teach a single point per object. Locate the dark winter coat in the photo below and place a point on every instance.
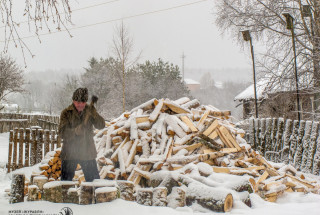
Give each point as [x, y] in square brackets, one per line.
[78, 143]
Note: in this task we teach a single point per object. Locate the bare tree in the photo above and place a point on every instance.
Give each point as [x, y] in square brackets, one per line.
[266, 22]
[123, 51]
[40, 14]
[11, 77]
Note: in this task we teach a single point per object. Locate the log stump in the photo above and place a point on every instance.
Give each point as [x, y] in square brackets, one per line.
[39, 181]
[17, 188]
[126, 190]
[159, 196]
[52, 192]
[72, 196]
[177, 198]
[33, 193]
[86, 193]
[106, 194]
[144, 196]
[65, 186]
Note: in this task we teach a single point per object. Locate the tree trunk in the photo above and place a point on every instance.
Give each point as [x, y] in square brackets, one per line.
[177, 198]
[86, 193]
[105, 194]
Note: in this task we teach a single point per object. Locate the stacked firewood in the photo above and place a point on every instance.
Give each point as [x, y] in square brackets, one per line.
[193, 151]
[51, 165]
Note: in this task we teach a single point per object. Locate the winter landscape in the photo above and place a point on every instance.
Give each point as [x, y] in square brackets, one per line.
[159, 107]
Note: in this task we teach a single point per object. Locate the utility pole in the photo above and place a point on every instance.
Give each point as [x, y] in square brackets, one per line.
[183, 57]
[290, 26]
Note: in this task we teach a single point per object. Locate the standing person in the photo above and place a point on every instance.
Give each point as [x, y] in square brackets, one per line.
[76, 130]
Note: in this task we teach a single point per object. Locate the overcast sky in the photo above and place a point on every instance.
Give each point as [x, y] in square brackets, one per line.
[190, 29]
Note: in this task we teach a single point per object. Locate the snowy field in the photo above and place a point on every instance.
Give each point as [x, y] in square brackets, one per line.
[290, 203]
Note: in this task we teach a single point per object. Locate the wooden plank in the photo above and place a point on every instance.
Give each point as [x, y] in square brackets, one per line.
[304, 182]
[189, 123]
[224, 139]
[141, 119]
[27, 148]
[202, 119]
[220, 113]
[213, 135]
[193, 146]
[263, 177]
[9, 167]
[228, 150]
[229, 137]
[114, 155]
[21, 140]
[15, 151]
[212, 127]
[175, 108]
[221, 169]
[207, 151]
[154, 115]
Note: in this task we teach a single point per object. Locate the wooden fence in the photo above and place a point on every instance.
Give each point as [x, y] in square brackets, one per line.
[28, 146]
[291, 142]
[9, 121]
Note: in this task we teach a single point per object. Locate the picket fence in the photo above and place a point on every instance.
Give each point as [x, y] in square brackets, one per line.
[292, 142]
[28, 146]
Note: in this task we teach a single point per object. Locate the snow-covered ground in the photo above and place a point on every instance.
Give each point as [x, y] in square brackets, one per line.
[290, 203]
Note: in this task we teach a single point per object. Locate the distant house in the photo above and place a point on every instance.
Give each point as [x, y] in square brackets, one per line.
[9, 108]
[192, 84]
[278, 100]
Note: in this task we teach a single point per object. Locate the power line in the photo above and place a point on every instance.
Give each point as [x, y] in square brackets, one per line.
[114, 20]
[83, 8]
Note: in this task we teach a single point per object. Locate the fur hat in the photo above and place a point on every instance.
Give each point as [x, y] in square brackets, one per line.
[80, 95]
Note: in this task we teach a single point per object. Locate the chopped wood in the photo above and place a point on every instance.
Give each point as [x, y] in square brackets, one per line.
[175, 108]
[202, 119]
[263, 177]
[212, 127]
[228, 150]
[188, 122]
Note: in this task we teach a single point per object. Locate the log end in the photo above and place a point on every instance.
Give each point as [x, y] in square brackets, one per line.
[228, 203]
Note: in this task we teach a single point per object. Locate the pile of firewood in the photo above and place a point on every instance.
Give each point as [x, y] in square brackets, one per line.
[51, 165]
[192, 150]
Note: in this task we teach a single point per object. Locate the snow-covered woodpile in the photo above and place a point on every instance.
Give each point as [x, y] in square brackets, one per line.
[177, 153]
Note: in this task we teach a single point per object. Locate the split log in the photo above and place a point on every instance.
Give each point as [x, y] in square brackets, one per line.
[177, 198]
[144, 196]
[159, 197]
[191, 104]
[105, 194]
[17, 188]
[126, 190]
[52, 192]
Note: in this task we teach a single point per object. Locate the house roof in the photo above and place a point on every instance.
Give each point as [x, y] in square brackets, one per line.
[191, 81]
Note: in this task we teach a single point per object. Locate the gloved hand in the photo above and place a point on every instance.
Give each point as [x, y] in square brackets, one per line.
[79, 130]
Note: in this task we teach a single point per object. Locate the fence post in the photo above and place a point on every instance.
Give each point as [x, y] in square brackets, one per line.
[271, 156]
[299, 150]
[21, 140]
[15, 145]
[251, 133]
[263, 137]
[286, 141]
[306, 144]
[294, 141]
[256, 133]
[268, 137]
[278, 144]
[34, 146]
[312, 147]
[46, 141]
[53, 140]
[27, 147]
[10, 151]
[39, 146]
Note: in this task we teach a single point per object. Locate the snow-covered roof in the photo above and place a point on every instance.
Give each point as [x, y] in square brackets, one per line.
[248, 93]
[191, 81]
[269, 85]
